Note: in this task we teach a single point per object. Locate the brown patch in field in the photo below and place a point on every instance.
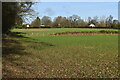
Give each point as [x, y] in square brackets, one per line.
[87, 33]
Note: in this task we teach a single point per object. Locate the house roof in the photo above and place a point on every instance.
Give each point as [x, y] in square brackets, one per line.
[91, 25]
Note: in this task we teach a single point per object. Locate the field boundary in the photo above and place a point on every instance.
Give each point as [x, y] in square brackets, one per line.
[88, 33]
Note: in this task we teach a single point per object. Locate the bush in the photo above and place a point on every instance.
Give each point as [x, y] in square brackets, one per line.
[115, 26]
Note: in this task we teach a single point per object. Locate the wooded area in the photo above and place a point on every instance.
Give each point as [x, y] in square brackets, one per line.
[75, 21]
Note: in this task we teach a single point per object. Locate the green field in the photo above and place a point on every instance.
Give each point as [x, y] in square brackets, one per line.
[34, 53]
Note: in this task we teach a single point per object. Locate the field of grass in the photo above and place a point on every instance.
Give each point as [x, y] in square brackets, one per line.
[34, 53]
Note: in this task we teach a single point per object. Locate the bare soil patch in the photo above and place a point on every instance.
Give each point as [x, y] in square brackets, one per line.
[88, 33]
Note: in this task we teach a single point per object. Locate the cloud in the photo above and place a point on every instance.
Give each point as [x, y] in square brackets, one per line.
[49, 11]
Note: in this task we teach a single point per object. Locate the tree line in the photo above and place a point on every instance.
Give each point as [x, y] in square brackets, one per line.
[74, 21]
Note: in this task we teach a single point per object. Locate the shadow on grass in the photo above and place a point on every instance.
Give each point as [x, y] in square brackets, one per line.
[12, 44]
[18, 34]
[15, 54]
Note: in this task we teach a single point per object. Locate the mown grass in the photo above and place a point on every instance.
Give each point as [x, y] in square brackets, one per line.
[36, 54]
[45, 31]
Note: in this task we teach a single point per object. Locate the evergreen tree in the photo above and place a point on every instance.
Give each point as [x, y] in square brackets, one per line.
[36, 22]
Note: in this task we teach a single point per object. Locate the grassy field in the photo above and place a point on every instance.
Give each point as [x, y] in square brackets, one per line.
[34, 53]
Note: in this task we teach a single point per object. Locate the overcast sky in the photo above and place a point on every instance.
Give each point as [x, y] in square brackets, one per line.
[83, 9]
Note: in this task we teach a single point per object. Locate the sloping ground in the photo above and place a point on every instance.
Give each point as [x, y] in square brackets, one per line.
[60, 56]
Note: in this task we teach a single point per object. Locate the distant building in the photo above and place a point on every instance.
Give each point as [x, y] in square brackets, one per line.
[42, 25]
[26, 25]
[91, 25]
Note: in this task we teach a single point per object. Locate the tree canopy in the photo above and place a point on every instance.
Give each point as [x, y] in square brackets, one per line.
[12, 14]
